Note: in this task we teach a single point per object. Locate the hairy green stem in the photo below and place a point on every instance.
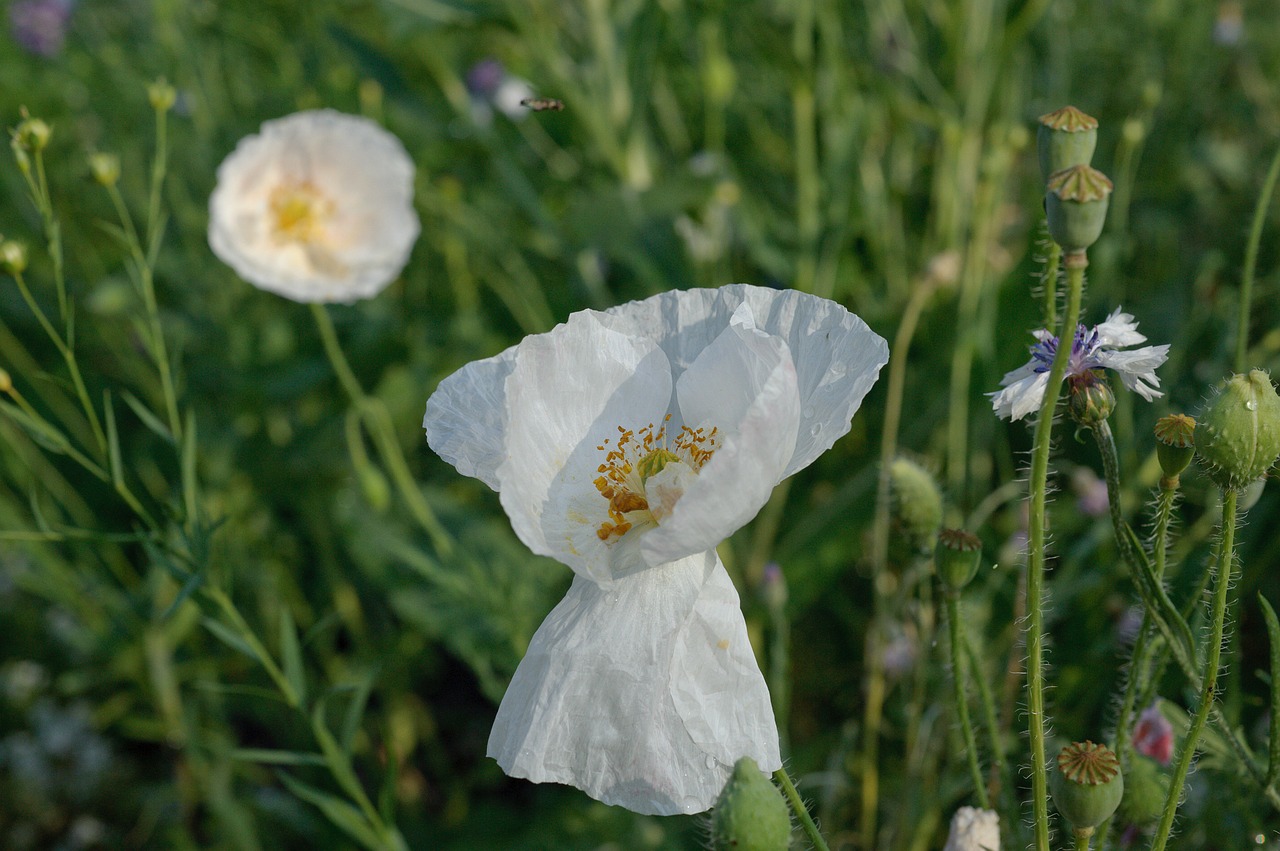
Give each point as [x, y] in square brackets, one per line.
[1049, 284]
[1222, 582]
[1251, 261]
[989, 719]
[802, 812]
[1041, 445]
[958, 680]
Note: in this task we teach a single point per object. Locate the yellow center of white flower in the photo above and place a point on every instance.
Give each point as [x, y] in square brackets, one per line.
[299, 211]
[634, 460]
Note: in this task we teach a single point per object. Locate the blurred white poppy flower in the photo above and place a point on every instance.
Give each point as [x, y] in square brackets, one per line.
[316, 207]
[1091, 349]
[628, 444]
[973, 829]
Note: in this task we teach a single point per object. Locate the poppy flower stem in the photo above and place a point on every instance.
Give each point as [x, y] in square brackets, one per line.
[802, 812]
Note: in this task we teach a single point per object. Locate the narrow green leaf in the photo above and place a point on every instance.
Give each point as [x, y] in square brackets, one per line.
[229, 638]
[189, 482]
[291, 654]
[188, 588]
[1273, 635]
[266, 756]
[339, 812]
[113, 439]
[43, 433]
[144, 414]
[355, 712]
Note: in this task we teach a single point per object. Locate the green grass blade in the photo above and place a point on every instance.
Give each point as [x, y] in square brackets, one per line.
[1273, 635]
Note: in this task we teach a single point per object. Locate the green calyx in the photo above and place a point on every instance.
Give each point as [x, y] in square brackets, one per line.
[917, 508]
[1064, 138]
[750, 814]
[1076, 206]
[1089, 398]
[957, 557]
[1237, 435]
[1175, 443]
[1087, 786]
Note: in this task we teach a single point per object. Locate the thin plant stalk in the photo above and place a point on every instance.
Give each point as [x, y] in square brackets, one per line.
[995, 782]
[802, 812]
[1225, 559]
[377, 419]
[1036, 552]
[959, 678]
[1251, 261]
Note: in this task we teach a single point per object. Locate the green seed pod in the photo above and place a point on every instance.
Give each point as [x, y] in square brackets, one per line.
[917, 508]
[1065, 138]
[1145, 788]
[1088, 785]
[1076, 206]
[957, 557]
[104, 167]
[1237, 434]
[1090, 399]
[32, 134]
[750, 814]
[1175, 443]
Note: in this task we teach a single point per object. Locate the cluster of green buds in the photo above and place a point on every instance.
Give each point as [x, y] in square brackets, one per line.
[750, 814]
[31, 136]
[1088, 785]
[1237, 434]
[1076, 194]
[916, 509]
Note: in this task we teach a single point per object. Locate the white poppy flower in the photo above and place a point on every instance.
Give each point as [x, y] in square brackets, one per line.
[973, 829]
[316, 207]
[628, 444]
[1092, 349]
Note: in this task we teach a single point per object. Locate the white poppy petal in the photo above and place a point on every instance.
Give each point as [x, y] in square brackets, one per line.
[317, 206]
[642, 695]
[568, 391]
[466, 417]
[743, 384]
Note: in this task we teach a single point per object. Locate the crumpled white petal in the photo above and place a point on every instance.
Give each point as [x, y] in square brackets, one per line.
[1119, 329]
[974, 829]
[1023, 396]
[1137, 368]
[643, 694]
[357, 227]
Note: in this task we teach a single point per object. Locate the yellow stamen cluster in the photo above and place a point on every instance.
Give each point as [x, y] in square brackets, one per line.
[298, 211]
[636, 457]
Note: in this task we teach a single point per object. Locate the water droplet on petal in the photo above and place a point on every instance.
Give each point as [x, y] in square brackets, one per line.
[808, 412]
[814, 429]
[711, 761]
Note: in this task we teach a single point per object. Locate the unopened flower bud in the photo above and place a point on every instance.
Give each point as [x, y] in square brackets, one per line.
[917, 508]
[957, 557]
[13, 257]
[1065, 138]
[376, 490]
[1153, 735]
[161, 95]
[1145, 789]
[6, 381]
[750, 814]
[32, 134]
[1090, 399]
[105, 168]
[1088, 785]
[1175, 443]
[1076, 206]
[1237, 434]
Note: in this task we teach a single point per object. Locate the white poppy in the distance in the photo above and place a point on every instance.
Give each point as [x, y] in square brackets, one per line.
[316, 207]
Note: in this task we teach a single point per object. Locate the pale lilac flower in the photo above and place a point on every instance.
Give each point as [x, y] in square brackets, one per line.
[1153, 735]
[973, 829]
[492, 87]
[1092, 349]
[1091, 492]
[40, 26]
[316, 207]
[628, 444]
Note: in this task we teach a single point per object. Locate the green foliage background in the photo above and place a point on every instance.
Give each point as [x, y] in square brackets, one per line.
[859, 151]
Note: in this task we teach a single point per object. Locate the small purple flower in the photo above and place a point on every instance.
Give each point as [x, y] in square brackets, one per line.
[484, 77]
[1091, 492]
[1092, 349]
[40, 26]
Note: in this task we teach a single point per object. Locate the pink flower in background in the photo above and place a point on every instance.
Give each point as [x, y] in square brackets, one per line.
[1153, 735]
[40, 26]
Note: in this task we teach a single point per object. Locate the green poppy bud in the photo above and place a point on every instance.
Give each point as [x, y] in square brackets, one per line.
[1064, 138]
[1088, 785]
[32, 134]
[1145, 789]
[1175, 443]
[750, 814]
[161, 95]
[105, 168]
[957, 557]
[917, 508]
[1089, 398]
[375, 488]
[13, 257]
[1076, 206]
[1237, 434]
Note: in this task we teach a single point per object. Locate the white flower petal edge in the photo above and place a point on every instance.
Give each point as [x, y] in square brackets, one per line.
[642, 695]
[974, 829]
[317, 206]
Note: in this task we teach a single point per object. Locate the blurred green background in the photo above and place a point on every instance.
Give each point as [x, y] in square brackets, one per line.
[877, 153]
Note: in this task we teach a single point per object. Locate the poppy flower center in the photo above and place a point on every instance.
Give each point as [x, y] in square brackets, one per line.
[298, 211]
[645, 473]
